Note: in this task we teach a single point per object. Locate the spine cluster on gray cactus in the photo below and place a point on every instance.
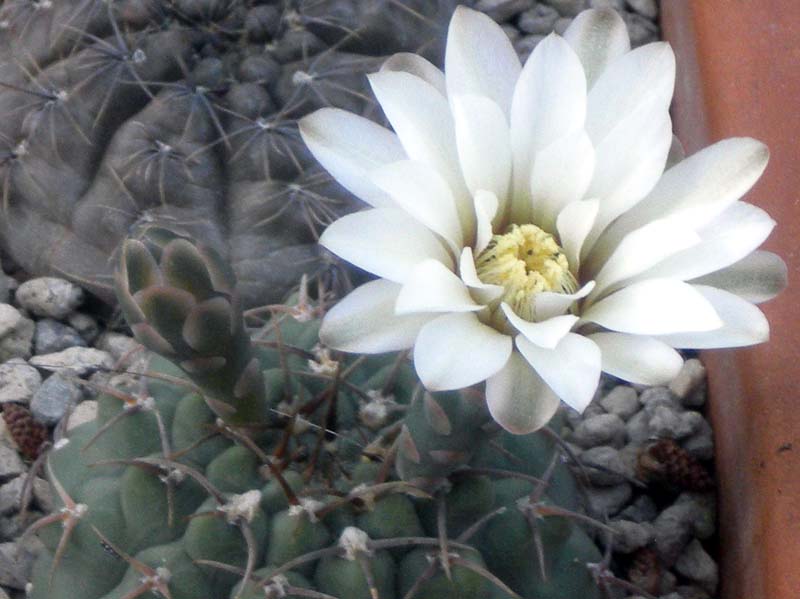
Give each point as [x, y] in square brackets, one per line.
[125, 114]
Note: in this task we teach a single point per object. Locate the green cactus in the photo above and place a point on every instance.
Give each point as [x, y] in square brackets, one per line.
[255, 463]
[122, 114]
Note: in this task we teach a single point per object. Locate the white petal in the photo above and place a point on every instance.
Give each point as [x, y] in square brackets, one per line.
[599, 37]
[549, 102]
[457, 350]
[744, 324]
[422, 120]
[728, 238]
[549, 304]
[697, 189]
[432, 287]
[484, 293]
[416, 65]
[654, 307]
[384, 241]
[365, 322]
[644, 76]
[484, 146]
[640, 250]
[630, 161]
[572, 369]
[479, 58]
[518, 399]
[424, 194]
[561, 174]
[638, 359]
[573, 224]
[545, 334]
[486, 205]
[756, 278]
[348, 146]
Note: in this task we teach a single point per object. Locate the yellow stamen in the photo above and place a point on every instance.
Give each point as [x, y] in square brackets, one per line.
[525, 261]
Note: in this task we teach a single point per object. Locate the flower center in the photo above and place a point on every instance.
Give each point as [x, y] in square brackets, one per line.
[525, 261]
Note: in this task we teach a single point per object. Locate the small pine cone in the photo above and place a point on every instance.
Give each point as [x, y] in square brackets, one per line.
[28, 434]
[645, 570]
[666, 461]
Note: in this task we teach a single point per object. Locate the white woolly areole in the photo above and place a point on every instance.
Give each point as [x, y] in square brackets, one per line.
[162, 575]
[354, 542]
[276, 588]
[362, 491]
[77, 512]
[322, 362]
[242, 506]
[374, 414]
[307, 506]
[61, 443]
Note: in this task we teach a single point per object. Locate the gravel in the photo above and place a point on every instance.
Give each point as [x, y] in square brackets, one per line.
[650, 514]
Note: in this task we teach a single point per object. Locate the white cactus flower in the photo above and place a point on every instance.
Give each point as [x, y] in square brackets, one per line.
[531, 225]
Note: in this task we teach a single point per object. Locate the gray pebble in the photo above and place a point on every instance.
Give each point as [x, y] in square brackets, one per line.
[667, 423]
[603, 429]
[637, 428]
[567, 8]
[696, 565]
[561, 25]
[80, 360]
[15, 565]
[10, 495]
[525, 46]
[121, 347]
[84, 412]
[689, 385]
[52, 336]
[629, 459]
[703, 509]
[603, 465]
[16, 333]
[49, 296]
[701, 443]
[10, 463]
[43, 494]
[691, 422]
[652, 397]
[673, 529]
[6, 285]
[503, 10]
[13, 526]
[622, 400]
[669, 583]
[86, 326]
[57, 395]
[618, 5]
[608, 501]
[690, 591]
[641, 30]
[642, 509]
[646, 8]
[511, 31]
[539, 20]
[631, 536]
[18, 381]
